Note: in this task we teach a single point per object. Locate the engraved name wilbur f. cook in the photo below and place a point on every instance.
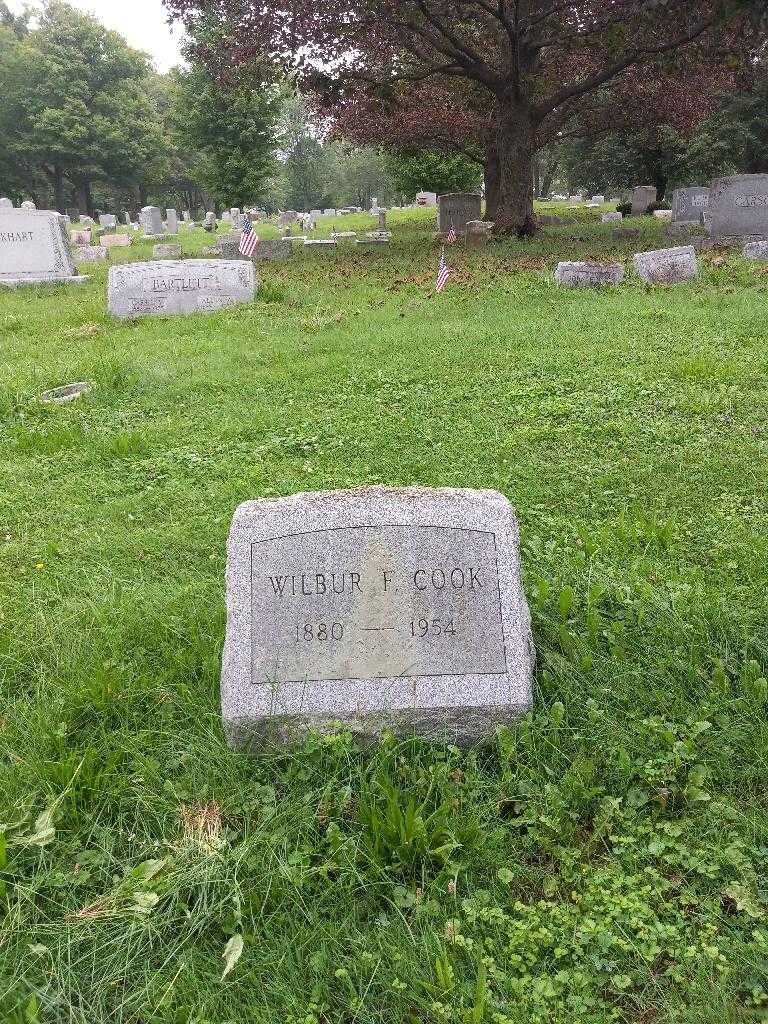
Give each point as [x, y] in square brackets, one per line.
[380, 608]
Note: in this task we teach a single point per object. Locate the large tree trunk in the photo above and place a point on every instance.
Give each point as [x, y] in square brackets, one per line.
[491, 174]
[550, 171]
[516, 141]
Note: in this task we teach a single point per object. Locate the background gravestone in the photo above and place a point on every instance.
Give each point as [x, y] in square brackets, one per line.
[642, 197]
[738, 209]
[171, 222]
[152, 222]
[689, 204]
[455, 210]
[34, 249]
[381, 608]
[170, 288]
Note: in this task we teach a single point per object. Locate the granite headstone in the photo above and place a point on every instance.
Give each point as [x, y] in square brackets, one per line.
[588, 275]
[34, 249]
[667, 266]
[738, 209]
[379, 608]
[170, 288]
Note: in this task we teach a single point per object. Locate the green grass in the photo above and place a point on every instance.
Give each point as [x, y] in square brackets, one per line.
[604, 862]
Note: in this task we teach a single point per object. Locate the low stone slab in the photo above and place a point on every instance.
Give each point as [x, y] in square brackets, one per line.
[82, 237]
[320, 243]
[625, 234]
[667, 266]
[91, 254]
[612, 218]
[588, 275]
[166, 252]
[379, 608]
[116, 241]
[756, 251]
[662, 214]
[68, 393]
[171, 288]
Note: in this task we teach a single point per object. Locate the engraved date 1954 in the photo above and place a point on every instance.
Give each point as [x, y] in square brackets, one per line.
[323, 632]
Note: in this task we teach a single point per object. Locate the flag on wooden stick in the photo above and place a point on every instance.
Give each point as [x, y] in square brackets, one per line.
[249, 240]
[443, 273]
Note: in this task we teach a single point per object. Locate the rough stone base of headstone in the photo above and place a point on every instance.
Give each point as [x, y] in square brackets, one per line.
[375, 609]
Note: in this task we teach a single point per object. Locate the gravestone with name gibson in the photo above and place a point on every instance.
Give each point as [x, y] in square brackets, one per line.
[738, 209]
[34, 249]
[178, 287]
[455, 210]
[382, 608]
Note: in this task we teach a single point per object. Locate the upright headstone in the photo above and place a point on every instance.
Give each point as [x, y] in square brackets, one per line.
[74, 214]
[738, 209]
[171, 222]
[598, 200]
[5, 204]
[588, 275]
[34, 249]
[237, 218]
[643, 197]
[151, 220]
[667, 266]
[690, 204]
[209, 224]
[612, 218]
[382, 608]
[170, 288]
[382, 220]
[81, 237]
[426, 199]
[456, 210]
[127, 218]
[108, 220]
[226, 217]
[186, 215]
[329, 213]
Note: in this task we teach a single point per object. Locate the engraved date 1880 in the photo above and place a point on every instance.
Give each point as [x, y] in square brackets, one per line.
[420, 629]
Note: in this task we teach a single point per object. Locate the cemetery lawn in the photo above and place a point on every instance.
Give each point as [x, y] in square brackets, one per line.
[604, 862]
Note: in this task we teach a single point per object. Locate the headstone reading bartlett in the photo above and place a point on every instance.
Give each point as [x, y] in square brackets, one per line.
[34, 249]
[187, 286]
[738, 209]
[455, 210]
[380, 608]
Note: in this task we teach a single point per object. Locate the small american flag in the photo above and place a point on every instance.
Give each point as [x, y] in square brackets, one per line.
[451, 236]
[443, 273]
[249, 240]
